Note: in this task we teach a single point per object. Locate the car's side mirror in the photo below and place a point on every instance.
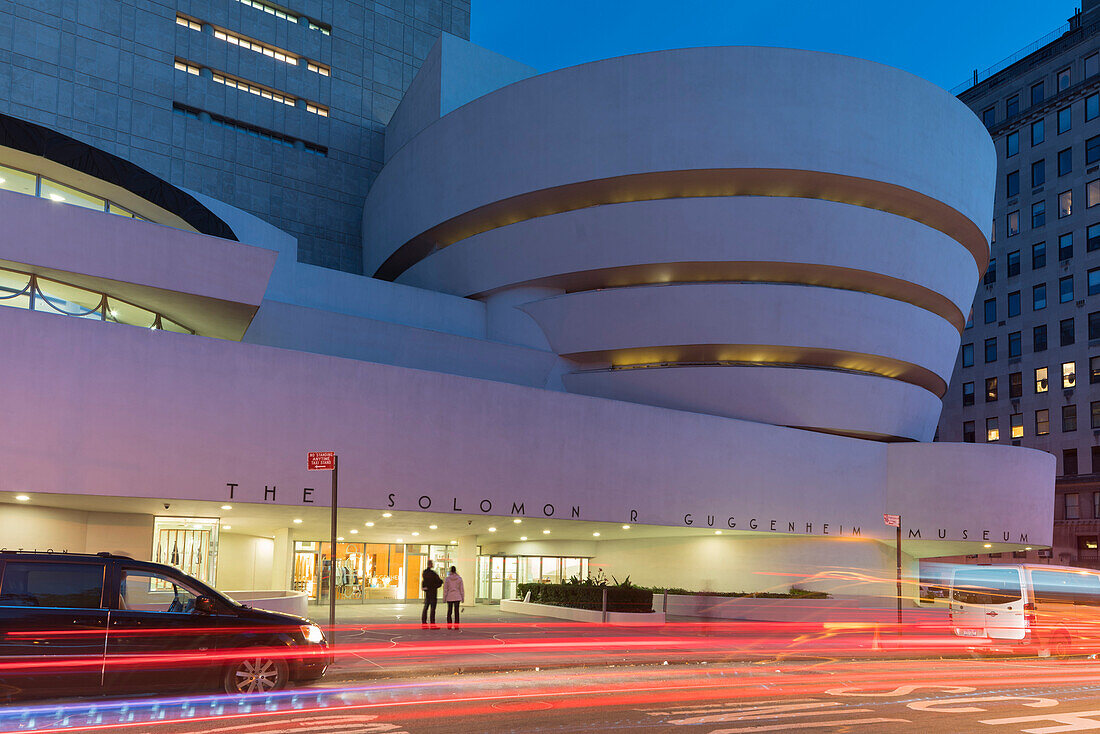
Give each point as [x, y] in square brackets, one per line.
[204, 605]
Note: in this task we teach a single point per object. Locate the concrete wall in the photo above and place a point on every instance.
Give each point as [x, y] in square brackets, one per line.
[245, 562]
[25, 527]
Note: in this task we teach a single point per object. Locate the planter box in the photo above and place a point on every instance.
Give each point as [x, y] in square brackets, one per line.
[288, 602]
[841, 608]
[581, 615]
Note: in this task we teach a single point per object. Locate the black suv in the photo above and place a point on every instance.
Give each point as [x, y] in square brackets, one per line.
[85, 623]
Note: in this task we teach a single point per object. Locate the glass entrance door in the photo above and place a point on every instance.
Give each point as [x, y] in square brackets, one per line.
[498, 576]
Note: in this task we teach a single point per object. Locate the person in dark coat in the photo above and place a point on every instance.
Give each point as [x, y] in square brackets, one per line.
[430, 583]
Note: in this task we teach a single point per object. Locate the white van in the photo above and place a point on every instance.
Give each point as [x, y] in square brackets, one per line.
[1051, 610]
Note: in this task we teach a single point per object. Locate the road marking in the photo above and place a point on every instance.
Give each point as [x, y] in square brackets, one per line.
[757, 716]
[1077, 721]
[945, 705]
[899, 691]
[810, 725]
[359, 724]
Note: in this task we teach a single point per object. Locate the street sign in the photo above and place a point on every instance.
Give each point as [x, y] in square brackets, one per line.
[893, 520]
[322, 460]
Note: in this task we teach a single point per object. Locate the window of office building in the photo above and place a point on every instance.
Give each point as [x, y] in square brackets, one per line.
[969, 320]
[1012, 144]
[990, 310]
[1038, 173]
[1013, 263]
[1064, 120]
[1041, 384]
[991, 349]
[1094, 325]
[990, 276]
[1094, 414]
[989, 117]
[1094, 281]
[1012, 184]
[1069, 418]
[1038, 255]
[967, 353]
[1065, 162]
[1063, 79]
[968, 393]
[1038, 133]
[1092, 65]
[1014, 303]
[1016, 385]
[1039, 338]
[990, 389]
[1039, 297]
[1065, 332]
[1065, 246]
[1042, 422]
[1016, 425]
[1095, 469]
[1092, 193]
[1072, 504]
[1092, 150]
[1092, 107]
[1069, 463]
[992, 433]
[1012, 106]
[1093, 235]
[1037, 93]
[1038, 216]
[1014, 344]
[1069, 375]
[1065, 289]
[968, 431]
[1094, 370]
[1065, 204]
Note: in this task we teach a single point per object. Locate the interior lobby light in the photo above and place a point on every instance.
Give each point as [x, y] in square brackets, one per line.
[717, 532]
[353, 531]
[416, 535]
[492, 530]
[454, 542]
[517, 521]
[626, 527]
[523, 537]
[227, 527]
[22, 498]
[400, 540]
[433, 527]
[297, 521]
[988, 545]
[595, 535]
[57, 197]
[369, 524]
[545, 532]
[227, 507]
[387, 514]
[1027, 547]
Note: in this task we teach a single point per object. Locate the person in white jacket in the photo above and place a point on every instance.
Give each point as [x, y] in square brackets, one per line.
[453, 593]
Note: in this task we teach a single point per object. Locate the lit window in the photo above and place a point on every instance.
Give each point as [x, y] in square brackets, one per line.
[244, 86]
[188, 23]
[1014, 222]
[318, 68]
[1065, 204]
[316, 109]
[1040, 379]
[991, 389]
[1092, 193]
[189, 68]
[261, 48]
[992, 433]
[1094, 370]
[1016, 424]
[1069, 375]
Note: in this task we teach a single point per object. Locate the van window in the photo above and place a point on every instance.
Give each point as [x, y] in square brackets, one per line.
[986, 586]
[66, 585]
[1066, 588]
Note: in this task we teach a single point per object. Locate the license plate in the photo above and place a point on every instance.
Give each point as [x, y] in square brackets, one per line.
[968, 632]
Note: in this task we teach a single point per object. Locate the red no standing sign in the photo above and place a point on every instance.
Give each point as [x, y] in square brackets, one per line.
[321, 460]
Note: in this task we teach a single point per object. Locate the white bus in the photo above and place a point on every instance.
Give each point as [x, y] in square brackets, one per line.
[1049, 610]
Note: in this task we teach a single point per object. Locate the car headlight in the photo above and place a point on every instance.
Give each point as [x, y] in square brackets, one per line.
[312, 633]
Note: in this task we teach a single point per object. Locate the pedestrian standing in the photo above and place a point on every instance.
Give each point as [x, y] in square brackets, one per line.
[429, 583]
[454, 593]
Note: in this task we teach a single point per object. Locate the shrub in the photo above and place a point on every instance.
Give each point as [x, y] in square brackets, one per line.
[794, 593]
[588, 594]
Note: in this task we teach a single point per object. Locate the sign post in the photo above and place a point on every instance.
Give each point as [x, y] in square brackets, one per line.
[327, 461]
[895, 520]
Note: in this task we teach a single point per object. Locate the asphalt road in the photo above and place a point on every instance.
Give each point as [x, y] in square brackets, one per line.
[993, 696]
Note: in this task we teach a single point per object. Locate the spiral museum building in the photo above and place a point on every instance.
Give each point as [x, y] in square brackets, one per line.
[685, 316]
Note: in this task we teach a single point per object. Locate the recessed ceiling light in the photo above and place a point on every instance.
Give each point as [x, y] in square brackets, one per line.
[454, 542]
[433, 527]
[545, 532]
[57, 197]
[227, 527]
[416, 534]
[523, 537]
[492, 530]
[22, 498]
[353, 531]
[227, 507]
[340, 538]
[717, 532]
[626, 527]
[297, 521]
[387, 514]
[400, 540]
[517, 521]
[595, 535]
[1027, 547]
[369, 524]
[988, 545]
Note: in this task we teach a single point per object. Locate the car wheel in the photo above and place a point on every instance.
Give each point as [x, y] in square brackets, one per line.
[256, 675]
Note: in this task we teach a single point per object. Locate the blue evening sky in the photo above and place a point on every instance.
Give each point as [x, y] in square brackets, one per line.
[939, 40]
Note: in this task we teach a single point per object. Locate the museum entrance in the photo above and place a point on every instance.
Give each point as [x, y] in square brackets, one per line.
[365, 572]
[499, 576]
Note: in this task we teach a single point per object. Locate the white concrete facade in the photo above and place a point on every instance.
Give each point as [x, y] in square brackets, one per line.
[711, 252]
